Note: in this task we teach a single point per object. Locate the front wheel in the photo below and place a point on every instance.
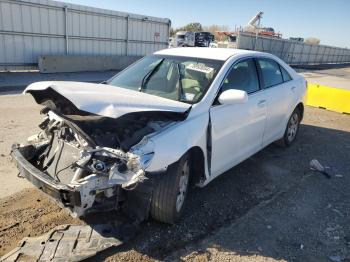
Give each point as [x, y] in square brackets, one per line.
[292, 128]
[170, 192]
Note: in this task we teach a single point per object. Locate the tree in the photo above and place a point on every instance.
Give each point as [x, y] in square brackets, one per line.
[214, 28]
[191, 27]
[172, 32]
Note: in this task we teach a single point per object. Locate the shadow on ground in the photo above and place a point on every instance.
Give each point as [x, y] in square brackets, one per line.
[270, 206]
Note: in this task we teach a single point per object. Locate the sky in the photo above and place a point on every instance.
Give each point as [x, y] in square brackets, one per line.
[327, 20]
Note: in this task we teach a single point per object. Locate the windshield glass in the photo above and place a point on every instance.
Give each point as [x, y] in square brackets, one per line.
[182, 79]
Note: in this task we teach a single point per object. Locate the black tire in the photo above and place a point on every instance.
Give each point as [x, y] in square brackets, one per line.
[294, 120]
[164, 207]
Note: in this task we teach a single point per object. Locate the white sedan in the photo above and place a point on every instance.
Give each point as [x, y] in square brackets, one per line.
[135, 142]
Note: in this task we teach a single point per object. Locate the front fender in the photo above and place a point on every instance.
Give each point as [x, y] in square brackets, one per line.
[171, 144]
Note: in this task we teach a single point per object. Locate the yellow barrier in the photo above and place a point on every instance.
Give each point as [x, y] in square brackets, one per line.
[334, 99]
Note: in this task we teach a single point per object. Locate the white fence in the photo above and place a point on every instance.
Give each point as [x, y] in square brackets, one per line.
[30, 28]
[294, 52]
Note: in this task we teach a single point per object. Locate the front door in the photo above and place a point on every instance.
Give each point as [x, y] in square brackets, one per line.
[237, 130]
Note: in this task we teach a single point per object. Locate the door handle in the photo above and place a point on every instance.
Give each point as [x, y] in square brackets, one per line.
[293, 88]
[262, 103]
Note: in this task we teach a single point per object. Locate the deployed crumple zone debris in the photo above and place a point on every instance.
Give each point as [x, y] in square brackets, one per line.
[70, 243]
[316, 166]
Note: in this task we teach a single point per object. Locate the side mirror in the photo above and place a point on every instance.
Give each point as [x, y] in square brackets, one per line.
[233, 96]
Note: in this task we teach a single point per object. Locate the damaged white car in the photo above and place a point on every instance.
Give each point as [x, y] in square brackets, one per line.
[136, 141]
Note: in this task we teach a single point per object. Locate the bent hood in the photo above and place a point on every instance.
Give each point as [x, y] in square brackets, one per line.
[106, 100]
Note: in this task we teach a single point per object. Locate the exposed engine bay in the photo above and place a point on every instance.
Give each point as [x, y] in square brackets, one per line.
[95, 145]
[98, 156]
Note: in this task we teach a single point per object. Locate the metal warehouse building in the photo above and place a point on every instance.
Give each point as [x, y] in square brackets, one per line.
[31, 28]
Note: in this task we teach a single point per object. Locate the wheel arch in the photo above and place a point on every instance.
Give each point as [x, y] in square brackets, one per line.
[300, 107]
[197, 161]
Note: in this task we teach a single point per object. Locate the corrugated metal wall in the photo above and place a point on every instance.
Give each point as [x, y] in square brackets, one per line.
[293, 52]
[30, 28]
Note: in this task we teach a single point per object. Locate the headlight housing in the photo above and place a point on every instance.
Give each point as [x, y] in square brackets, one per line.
[145, 160]
[140, 162]
[144, 152]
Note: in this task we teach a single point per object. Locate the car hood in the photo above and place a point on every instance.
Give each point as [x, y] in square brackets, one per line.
[106, 100]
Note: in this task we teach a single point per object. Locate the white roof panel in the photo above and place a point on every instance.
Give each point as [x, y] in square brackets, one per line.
[204, 52]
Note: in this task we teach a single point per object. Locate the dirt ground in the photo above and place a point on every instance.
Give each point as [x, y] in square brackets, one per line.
[19, 119]
[268, 208]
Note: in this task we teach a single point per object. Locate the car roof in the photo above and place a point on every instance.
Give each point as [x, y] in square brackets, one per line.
[204, 52]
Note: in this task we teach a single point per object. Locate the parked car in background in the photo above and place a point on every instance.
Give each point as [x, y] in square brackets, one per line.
[184, 39]
[203, 39]
[179, 116]
[193, 39]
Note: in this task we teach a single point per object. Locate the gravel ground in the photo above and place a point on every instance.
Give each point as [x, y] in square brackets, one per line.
[269, 208]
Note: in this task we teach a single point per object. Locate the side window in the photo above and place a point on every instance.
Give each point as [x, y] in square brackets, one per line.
[271, 72]
[285, 74]
[242, 76]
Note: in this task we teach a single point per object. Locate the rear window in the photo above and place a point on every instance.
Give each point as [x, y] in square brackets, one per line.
[271, 72]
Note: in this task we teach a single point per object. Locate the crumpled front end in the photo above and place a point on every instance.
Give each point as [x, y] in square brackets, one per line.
[89, 163]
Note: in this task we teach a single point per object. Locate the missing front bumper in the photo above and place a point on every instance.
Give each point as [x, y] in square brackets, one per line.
[67, 196]
[71, 242]
[136, 202]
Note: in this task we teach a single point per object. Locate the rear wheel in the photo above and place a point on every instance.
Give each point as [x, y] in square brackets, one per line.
[170, 192]
[292, 128]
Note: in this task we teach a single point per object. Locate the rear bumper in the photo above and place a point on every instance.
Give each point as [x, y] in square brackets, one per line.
[64, 194]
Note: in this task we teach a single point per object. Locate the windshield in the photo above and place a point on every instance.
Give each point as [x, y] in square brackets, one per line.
[177, 78]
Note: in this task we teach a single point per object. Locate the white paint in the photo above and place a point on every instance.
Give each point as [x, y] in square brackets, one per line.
[233, 96]
[109, 101]
[203, 52]
[239, 130]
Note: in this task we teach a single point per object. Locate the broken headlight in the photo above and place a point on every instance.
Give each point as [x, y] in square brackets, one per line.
[142, 161]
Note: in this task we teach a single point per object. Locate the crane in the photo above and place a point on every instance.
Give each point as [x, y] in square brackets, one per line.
[254, 23]
[254, 27]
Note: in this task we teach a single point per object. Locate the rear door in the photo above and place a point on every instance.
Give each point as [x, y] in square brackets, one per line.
[237, 130]
[278, 86]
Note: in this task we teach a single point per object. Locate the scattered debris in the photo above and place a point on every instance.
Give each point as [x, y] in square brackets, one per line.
[335, 258]
[338, 212]
[316, 166]
[70, 243]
